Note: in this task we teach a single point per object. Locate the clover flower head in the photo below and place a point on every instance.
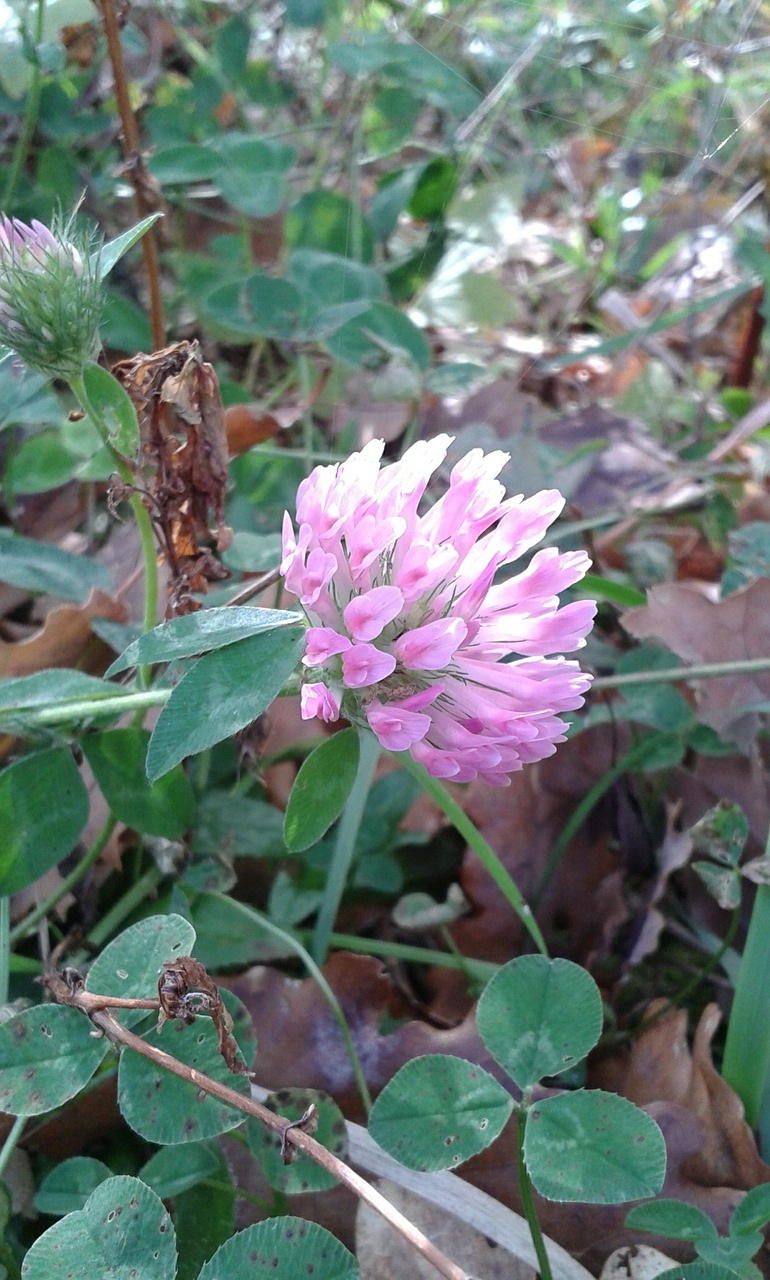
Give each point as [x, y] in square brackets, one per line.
[414, 633]
[50, 296]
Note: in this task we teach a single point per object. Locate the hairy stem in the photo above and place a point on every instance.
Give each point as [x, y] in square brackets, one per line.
[527, 1200]
[484, 852]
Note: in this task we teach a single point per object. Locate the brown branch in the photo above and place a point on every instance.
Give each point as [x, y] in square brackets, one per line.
[68, 990]
[135, 168]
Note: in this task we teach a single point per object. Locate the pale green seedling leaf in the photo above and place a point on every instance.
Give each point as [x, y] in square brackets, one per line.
[201, 632]
[593, 1147]
[38, 566]
[733, 1252]
[46, 1056]
[723, 883]
[174, 1170]
[104, 259]
[752, 1212]
[721, 834]
[438, 1111]
[123, 1231]
[112, 405]
[301, 1174]
[320, 790]
[67, 1186]
[165, 1109]
[222, 693]
[129, 966]
[282, 1246]
[36, 833]
[671, 1218]
[538, 1017]
[162, 808]
[701, 1271]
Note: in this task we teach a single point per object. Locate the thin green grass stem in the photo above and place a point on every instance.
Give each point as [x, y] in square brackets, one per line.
[5, 947]
[31, 110]
[91, 855]
[635, 756]
[290, 940]
[747, 1047]
[479, 970]
[527, 1200]
[703, 671]
[86, 708]
[484, 852]
[345, 845]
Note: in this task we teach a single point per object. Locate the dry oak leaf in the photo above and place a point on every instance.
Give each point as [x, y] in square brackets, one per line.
[64, 640]
[702, 630]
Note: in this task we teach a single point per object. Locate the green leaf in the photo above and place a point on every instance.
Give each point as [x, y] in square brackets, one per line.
[331, 223]
[260, 306]
[37, 566]
[204, 1217]
[173, 1170]
[201, 632]
[301, 1174]
[67, 1186]
[671, 1218]
[733, 1252]
[105, 258]
[228, 937]
[306, 13]
[123, 1231]
[129, 966]
[221, 694]
[539, 1017]
[320, 790]
[438, 1111]
[723, 883]
[379, 331]
[237, 826]
[593, 1147]
[616, 592]
[162, 808]
[289, 1246]
[752, 1212]
[112, 406]
[166, 1110]
[250, 177]
[698, 1271]
[46, 1057]
[183, 163]
[36, 832]
[56, 684]
[39, 463]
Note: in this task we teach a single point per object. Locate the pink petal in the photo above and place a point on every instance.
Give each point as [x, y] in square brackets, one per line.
[395, 728]
[431, 647]
[317, 701]
[364, 664]
[366, 615]
[322, 643]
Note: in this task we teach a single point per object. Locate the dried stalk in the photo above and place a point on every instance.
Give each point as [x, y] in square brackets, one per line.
[96, 1007]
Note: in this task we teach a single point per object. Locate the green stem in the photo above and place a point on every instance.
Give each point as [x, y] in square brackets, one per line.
[134, 898]
[527, 1200]
[9, 1146]
[5, 947]
[703, 671]
[26, 925]
[84, 708]
[268, 926]
[747, 1047]
[484, 852]
[345, 845]
[630, 760]
[305, 371]
[141, 515]
[30, 117]
[481, 970]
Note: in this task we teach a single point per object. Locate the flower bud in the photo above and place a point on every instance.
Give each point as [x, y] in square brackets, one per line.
[50, 296]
